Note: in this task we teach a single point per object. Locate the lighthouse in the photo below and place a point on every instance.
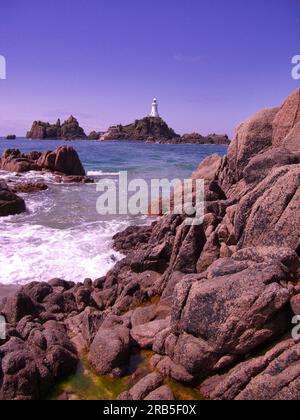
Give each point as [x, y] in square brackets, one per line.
[154, 109]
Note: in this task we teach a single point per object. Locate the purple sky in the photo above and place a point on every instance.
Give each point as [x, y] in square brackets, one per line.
[211, 63]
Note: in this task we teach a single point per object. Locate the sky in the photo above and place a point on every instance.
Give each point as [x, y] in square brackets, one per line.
[210, 63]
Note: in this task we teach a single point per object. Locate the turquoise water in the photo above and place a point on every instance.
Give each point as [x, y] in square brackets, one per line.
[61, 234]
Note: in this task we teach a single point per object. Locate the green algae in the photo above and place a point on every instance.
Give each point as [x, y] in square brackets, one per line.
[86, 384]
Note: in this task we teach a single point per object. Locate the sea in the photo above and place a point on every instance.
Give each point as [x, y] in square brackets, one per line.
[61, 235]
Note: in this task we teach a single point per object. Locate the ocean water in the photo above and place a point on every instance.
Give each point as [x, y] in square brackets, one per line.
[61, 234]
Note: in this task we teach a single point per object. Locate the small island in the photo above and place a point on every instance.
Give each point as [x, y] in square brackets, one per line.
[11, 137]
[69, 130]
[151, 129]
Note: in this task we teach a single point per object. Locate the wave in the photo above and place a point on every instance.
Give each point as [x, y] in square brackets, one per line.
[38, 253]
[101, 173]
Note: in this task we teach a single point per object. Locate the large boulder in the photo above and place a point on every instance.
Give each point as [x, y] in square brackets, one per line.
[252, 137]
[286, 124]
[269, 214]
[10, 203]
[64, 159]
[272, 376]
[12, 160]
[219, 318]
[32, 362]
[143, 388]
[110, 351]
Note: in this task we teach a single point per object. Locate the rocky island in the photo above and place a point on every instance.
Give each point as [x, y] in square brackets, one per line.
[156, 130]
[214, 303]
[69, 130]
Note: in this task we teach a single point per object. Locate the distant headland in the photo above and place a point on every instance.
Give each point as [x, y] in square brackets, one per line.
[151, 129]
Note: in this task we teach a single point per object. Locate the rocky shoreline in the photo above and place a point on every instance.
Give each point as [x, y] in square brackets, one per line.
[63, 163]
[214, 303]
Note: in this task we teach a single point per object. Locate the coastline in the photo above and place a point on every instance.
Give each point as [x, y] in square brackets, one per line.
[213, 303]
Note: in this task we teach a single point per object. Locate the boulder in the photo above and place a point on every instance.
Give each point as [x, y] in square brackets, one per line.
[252, 137]
[208, 168]
[10, 203]
[110, 351]
[32, 365]
[18, 306]
[269, 214]
[273, 376]
[143, 388]
[221, 318]
[144, 335]
[286, 123]
[163, 393]
[29, 187]
[64, 160]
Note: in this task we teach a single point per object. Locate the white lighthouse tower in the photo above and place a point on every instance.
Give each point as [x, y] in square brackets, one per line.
[154, 109]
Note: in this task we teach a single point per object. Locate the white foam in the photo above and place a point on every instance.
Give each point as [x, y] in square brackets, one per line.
[101, 173]
[38, 253]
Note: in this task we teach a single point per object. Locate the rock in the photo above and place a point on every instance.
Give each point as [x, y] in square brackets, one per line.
[37, 291]
[110, 351]
[64, 160]
[95, 135]
[210, 253]
[83, 328]
[31, 366]
[295, 304]
[223, 317]
[18, 306]
[13, 160]
[29, 187]
[273, 376]
[196, 138]
[208, 168]
[69, 130]
[161, 394]
[143, 388]
[145, 129]
[10, 203]
[168, 368]
[132, 237]
[11, 137]
[260, 166]
[269, 214]
[284, 125]
[252, 136]
[145, 334]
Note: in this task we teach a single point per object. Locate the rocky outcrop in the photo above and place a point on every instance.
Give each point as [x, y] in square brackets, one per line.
[273, 376]
[147, 129]
[69, 130]
[145, 387]
[95, 135]
[215, 303]
[156, 130]
[29, 187]
[196, 138]
[64, 161]
[11, 137]
[10, 203]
